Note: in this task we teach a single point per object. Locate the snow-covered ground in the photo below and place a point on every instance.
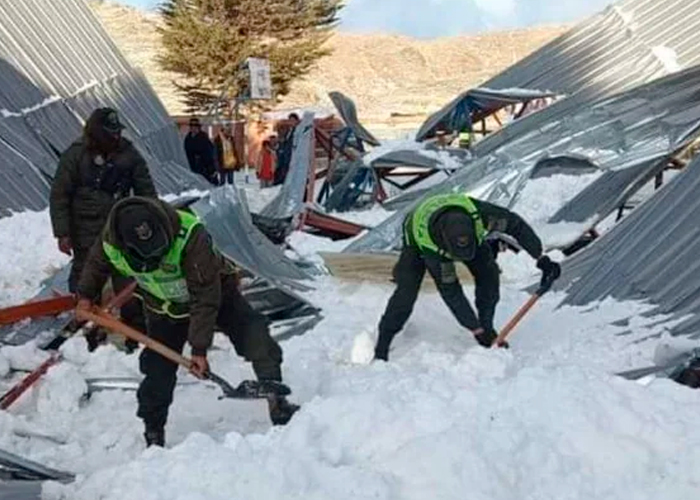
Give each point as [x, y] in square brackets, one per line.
[444, 419]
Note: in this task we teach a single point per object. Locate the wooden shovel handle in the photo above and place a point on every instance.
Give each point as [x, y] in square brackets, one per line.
[109, 322]
[516, 319]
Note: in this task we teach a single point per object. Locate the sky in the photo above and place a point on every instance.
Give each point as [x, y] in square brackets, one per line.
[433, 18]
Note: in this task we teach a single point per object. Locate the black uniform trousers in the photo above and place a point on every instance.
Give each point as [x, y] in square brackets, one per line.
[246, 328]
[408, 274]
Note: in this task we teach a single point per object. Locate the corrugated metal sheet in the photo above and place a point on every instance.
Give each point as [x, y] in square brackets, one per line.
[17, 133]
[644, 125]
[608, 192]
[231, 227]
[57, 65]
[290, 200]
[429, 157]
[22, 186]
[652, 255]
[348, 112]
[615, 50]
[20, 490]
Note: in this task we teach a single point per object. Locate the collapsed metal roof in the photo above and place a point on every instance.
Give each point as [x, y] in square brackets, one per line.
[630, 43]
[627, 44]
[289, 202]
[274, 292]
[650, 256]
[57, 64]
[348, 112]
[473, 105]
[642, 127]
[232, 229]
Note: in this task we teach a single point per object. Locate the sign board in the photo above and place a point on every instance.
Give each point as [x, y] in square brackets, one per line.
[260, 84]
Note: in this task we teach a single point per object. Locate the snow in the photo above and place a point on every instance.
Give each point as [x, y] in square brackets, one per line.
[518, 92]
[668, 58]
[445, 159]
[370, 217]
[444, 419]
[32, 256]
[4, 365]
[24, 357]
[391, 146]
[47, 101]
[543, 197]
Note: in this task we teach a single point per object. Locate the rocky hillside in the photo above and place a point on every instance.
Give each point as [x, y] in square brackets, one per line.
[393, 79]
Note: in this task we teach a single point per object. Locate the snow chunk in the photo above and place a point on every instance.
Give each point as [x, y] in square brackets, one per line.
[668, 58]
[25, 357]
[362, 348]
[61, 390]
[29, 256]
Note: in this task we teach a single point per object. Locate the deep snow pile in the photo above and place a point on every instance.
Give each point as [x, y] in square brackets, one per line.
[30, 255]
[541, 198]
[444, 419]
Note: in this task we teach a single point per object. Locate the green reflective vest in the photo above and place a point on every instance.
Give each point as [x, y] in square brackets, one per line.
[417, 227]
[465, 139]
[167, 283]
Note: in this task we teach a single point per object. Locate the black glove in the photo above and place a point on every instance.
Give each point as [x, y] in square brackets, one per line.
[486, 338]
[550, 272]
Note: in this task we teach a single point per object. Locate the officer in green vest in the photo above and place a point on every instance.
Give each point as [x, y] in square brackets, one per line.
[444, 229]
[465, 139]
[188, 290]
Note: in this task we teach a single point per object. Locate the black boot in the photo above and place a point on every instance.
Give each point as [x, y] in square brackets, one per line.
[281, 410]
[381, 353]
[154, 437]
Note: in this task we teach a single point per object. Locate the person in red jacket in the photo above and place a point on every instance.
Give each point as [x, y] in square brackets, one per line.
[268, 162]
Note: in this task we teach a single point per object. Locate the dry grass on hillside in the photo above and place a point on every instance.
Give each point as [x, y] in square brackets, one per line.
[386, 75]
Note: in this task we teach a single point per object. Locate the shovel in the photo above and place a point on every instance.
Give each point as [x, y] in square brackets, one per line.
[21, 387]
[520, 313]
[248, 389]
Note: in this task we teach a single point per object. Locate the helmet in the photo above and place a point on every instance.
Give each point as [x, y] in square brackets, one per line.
[455, 228]
[143, 233]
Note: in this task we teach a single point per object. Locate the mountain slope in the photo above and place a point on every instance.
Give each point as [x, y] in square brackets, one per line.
[385, 74]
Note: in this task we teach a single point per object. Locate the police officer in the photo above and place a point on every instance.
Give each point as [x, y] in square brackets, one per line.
[94, 173]
[188, 289]
[444, 229]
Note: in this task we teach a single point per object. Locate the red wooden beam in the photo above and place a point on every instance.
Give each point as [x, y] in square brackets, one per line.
[328, 223]
[34, 309]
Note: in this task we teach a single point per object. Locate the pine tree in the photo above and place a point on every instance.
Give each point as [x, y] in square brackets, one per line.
[207, 41]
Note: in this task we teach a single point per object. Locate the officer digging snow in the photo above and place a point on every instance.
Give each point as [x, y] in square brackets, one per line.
[188, 289]
[448, 228]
